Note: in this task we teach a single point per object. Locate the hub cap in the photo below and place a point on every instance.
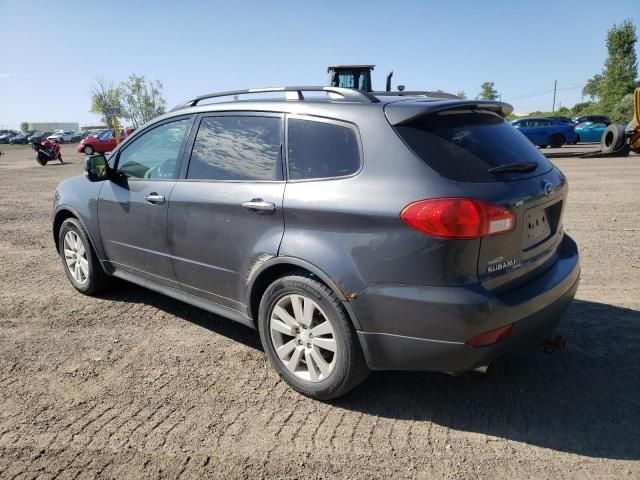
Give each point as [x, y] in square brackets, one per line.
[303, 338]
[75, 255]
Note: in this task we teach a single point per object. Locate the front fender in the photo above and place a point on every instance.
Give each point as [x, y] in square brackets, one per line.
[79, 197]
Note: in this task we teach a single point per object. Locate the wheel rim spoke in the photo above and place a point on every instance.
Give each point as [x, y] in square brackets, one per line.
[319, 360]
[326, 343]
[296, 304]
[323, 329]
[84, 266]
[282, 327]
[293, 363]
[311, 369]
[285, 317]
[286, 349]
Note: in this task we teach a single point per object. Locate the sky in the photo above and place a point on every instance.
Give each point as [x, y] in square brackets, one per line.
[53, 51]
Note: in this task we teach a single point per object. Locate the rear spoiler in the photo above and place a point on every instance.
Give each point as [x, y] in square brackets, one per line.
[404, 111]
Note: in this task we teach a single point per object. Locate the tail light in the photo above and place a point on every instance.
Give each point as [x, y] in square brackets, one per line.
[490, 337]
[458, 218]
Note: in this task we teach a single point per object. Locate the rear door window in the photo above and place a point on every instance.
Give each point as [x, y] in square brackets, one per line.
[464, 144]
[321, 150]
[237, 148]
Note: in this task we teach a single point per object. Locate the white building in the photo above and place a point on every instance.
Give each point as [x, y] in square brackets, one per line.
[51, 126]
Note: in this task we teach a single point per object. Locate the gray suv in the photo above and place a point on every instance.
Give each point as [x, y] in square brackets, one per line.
[356, 231]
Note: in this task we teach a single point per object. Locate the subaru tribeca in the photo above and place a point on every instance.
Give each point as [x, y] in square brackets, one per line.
[354, 231]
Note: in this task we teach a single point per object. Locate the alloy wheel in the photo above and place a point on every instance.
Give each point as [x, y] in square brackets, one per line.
[303, 338]
[75, 256]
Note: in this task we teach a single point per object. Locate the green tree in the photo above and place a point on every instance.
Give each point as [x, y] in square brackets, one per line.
[104, 96]
[593, 86]
[462, 95]
[623, 110]
[488, 92]
[620, 72]
[141, 100]
[24, 126]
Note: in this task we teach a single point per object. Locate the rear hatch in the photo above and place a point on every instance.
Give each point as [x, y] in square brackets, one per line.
[471, 144]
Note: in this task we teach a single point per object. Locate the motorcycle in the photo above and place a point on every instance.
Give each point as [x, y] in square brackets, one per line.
[47, 151]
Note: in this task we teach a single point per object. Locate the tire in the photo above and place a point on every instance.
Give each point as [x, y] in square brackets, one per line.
[41, 159]
[344, 367]
[60, 158]
[88, 150]
[543, 146]
[556, 140]
[577, 140]
[612, 139]
[91, 278]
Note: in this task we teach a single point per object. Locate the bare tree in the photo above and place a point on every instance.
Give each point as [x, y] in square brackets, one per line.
[104, 96]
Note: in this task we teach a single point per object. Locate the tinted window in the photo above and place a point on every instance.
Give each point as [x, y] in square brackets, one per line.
[154, 154]
[464, 145]
[237, 148]
[321, 150]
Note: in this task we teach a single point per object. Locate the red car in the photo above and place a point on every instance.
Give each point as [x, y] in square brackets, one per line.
[104, 142]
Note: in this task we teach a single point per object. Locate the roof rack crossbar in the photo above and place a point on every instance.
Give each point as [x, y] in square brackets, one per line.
[347, 94]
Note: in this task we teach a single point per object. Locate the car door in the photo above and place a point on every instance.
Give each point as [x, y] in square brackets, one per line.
[132, 209]
[595, 132]
[225, 216]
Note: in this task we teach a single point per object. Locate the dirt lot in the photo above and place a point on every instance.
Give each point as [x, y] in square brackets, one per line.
[134, 384]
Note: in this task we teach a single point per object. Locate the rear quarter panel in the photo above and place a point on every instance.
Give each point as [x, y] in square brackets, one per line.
[350, 228]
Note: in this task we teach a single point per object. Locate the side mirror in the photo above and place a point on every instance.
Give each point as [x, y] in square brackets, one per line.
[96, 168]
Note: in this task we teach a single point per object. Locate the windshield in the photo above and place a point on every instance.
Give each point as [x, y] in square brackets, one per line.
[464, 144]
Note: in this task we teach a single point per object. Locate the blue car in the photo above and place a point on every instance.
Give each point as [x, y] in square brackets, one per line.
[545, 132]
[590, 132]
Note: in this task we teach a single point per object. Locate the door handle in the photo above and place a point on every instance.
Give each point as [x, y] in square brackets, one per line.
[154, 198]
[257, 205]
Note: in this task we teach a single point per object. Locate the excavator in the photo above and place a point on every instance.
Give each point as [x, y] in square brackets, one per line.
[616, 140]
[359, 78]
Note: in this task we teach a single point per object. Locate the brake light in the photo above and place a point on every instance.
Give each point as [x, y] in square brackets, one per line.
[490, 337]
[458, 218]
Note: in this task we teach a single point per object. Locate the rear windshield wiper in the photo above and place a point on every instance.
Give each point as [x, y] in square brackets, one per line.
[514, 167]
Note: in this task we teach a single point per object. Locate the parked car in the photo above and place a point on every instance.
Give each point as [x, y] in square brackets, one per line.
[6, 137]
[440, 249]
[104, 142]
[76, 136]
[562, 119]
[546, 131]
[21, 138]
[590, 132]
[62, 136]
[39, 137]
[592, 118]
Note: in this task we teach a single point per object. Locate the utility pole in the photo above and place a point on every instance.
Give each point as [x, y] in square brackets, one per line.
[555, 86]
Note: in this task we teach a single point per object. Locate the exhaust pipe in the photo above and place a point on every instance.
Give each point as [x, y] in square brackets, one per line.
[389, 80]
[482, 368]
[555, 344]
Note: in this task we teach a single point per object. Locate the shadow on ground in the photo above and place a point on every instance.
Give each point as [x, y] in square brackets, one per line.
[585, 400]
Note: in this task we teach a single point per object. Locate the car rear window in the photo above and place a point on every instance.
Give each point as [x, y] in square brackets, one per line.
[321, 150]
[464, 144]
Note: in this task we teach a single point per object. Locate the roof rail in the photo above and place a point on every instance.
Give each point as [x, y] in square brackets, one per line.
[416, 93]
[291, 93]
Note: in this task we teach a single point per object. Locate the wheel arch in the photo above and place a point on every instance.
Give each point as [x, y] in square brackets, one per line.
[62, 214]
[279, 266]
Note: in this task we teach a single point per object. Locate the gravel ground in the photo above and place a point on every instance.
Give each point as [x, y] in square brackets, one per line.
[133, 384]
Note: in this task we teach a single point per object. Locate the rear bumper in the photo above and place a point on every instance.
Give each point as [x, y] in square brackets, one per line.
[425, 328]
